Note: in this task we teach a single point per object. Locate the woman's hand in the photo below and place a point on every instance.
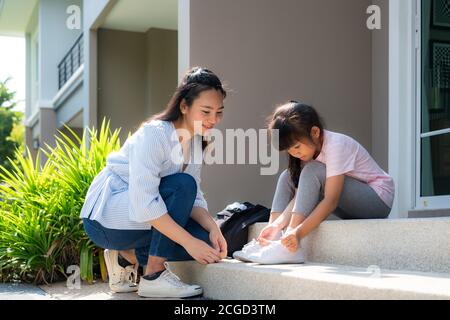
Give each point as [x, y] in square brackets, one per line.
[218, 242]
[268, 233]
[202, 252]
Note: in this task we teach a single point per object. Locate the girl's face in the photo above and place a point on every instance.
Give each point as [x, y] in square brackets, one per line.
[206, 111]
[306, 150]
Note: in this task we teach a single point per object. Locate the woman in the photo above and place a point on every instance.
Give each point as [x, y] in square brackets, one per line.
[146, 207]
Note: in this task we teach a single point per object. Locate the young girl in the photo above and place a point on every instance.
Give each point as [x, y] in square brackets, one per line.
[328, 173]
[145, 207]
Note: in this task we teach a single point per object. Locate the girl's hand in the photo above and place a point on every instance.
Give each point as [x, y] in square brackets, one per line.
[202, 252]
[267, 234]
[218, 241]
[291, 241]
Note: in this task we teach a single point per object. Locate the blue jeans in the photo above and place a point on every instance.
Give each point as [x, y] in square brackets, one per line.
[178, 192]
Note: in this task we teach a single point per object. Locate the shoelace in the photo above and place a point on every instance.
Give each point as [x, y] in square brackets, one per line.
[131, 274]
[173, 278]
[248, 245]
[269, 247]
[128, 275]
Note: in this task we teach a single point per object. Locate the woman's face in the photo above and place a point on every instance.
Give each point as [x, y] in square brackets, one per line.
[305, 149]
[206, 111]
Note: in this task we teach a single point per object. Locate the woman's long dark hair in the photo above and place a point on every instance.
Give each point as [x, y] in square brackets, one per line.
[294, 120]
[195, 81]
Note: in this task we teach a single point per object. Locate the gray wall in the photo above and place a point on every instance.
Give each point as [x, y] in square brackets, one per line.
[137, 73]
[162, 56]
[380, 88]
[121, 78]
[271, 51]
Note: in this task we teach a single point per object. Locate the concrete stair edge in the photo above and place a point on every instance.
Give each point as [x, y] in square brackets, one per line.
[398, 244]
[234, 280]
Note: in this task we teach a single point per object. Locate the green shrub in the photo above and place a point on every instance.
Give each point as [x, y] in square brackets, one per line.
[41, 233]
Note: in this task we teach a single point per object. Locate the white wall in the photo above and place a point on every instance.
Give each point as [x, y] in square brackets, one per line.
[401, 105]
[55, 40]
[93, 11]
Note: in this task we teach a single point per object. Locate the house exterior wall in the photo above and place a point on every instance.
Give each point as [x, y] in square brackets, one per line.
[122, 79]
[402, 134]
[55, 40]
[71, 106]
[32, 63]
[162, 68]
[380, 88]
[94, 13]
[137, 73]
[77, 131]
[47, 129]
[270, 52]
[47, 41]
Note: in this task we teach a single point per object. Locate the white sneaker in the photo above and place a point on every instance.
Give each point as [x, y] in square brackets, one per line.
[276, 253]
[120, 279]
[167, 285]
[250, 248]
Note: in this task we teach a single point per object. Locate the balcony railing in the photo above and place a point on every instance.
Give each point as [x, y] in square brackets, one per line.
[71, 62]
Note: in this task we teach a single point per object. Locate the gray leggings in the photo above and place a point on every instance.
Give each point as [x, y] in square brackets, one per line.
[358, 200]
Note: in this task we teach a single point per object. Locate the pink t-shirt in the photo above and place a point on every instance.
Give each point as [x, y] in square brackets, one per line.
[343, 155]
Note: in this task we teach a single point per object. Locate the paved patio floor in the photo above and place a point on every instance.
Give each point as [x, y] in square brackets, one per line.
[60, 291]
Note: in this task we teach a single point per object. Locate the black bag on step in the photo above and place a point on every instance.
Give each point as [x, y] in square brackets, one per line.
[235, 228]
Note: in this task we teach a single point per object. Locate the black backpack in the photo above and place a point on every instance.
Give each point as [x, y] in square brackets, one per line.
[235, 228]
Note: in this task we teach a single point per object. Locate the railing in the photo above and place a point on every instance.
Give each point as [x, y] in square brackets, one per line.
[71, 62]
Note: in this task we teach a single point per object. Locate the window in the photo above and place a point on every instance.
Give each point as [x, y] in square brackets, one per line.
[434, 105]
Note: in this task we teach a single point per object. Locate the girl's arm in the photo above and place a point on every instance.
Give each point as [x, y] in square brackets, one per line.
[333, 190]
[283, 219]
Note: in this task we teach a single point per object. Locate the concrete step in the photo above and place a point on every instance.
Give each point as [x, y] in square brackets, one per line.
[234, 280]
[395, 244]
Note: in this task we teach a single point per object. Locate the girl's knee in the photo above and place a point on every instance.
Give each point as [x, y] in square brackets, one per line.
[314, 169]
[284, 177]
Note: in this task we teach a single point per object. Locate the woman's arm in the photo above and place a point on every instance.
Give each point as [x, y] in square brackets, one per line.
[168, 227]
[198, 249]
[202, 216]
